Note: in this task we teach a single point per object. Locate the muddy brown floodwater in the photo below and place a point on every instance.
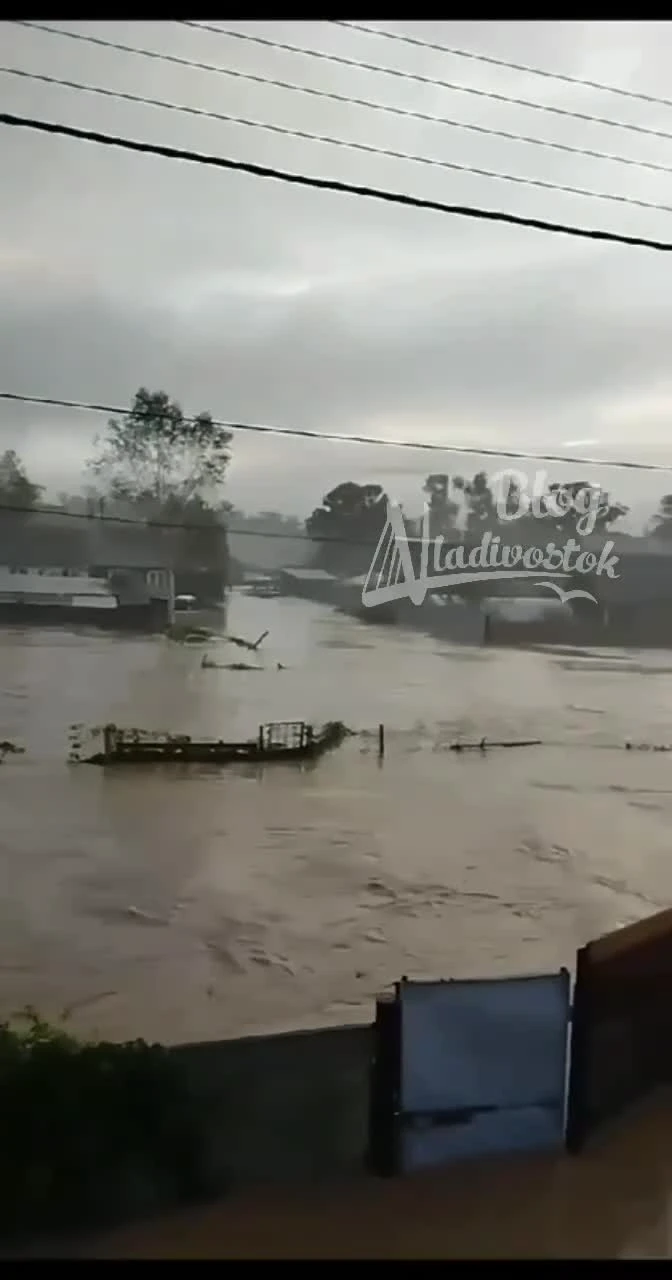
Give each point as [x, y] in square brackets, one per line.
[183, 905]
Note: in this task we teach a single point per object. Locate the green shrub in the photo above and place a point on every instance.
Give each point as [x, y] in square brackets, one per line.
[91, 1132]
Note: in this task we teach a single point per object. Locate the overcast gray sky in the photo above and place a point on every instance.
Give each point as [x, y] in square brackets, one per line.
[267, 303]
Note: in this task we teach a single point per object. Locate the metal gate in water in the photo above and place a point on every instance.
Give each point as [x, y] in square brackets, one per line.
[483, 1068]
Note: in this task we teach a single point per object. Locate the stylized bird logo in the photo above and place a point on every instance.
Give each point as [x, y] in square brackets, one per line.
[564, 596]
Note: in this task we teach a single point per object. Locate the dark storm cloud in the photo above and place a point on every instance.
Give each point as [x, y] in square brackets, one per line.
[264, 303]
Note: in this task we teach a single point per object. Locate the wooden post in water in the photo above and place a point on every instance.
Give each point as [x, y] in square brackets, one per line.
[381, 740]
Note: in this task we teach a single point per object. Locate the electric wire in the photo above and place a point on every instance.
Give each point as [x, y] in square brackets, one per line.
[348, 100]
[348, 145]
[330, 184]
[434, 82]
[357, 438]
[489, 59]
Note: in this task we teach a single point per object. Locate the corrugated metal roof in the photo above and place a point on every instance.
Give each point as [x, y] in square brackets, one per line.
[48, 584]
[94, 602]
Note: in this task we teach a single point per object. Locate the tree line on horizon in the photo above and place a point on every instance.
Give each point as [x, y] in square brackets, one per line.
[163, 467]
[352, 516]
[349, 521]
[157, 466]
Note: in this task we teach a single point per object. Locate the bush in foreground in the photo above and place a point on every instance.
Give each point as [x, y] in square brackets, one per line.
[91, 1133]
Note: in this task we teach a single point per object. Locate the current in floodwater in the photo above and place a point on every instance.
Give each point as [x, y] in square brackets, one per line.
[203, 902]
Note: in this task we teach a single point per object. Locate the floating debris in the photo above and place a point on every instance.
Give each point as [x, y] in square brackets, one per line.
[190, 635]
[209, 665]
[283, 740]
[486, 745]
[252, 645]
[10, 749]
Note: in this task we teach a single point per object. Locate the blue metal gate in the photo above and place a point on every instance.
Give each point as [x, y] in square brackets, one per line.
[483, 1067]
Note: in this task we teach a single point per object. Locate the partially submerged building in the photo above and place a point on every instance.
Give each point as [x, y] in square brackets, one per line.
[637, 603]
[349, 596]
[45, 597]
[59, 568]
[309, 584]
[632, 607]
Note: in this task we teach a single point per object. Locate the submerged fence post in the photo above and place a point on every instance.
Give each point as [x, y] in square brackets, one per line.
[109, 740]
[381, 740]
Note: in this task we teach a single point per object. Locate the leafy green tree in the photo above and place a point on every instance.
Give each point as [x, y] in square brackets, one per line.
[661, 524]
[562, 508]
[154, 454]
[171, 469]
[443, 510]
[347, 526]
[481, 508]
[566, 504]
[16, 488]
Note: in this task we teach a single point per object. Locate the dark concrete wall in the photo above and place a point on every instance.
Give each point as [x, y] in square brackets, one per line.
[284, 1107]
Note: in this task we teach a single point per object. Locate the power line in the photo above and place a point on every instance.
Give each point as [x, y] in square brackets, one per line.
[490, 60]
[425, 445]
[229, 530]
[345, 99]
[329, 140]
[329, 57]
[330, 184]
[224, 529]
[102, 518]
[341, 60]
[132, 520]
